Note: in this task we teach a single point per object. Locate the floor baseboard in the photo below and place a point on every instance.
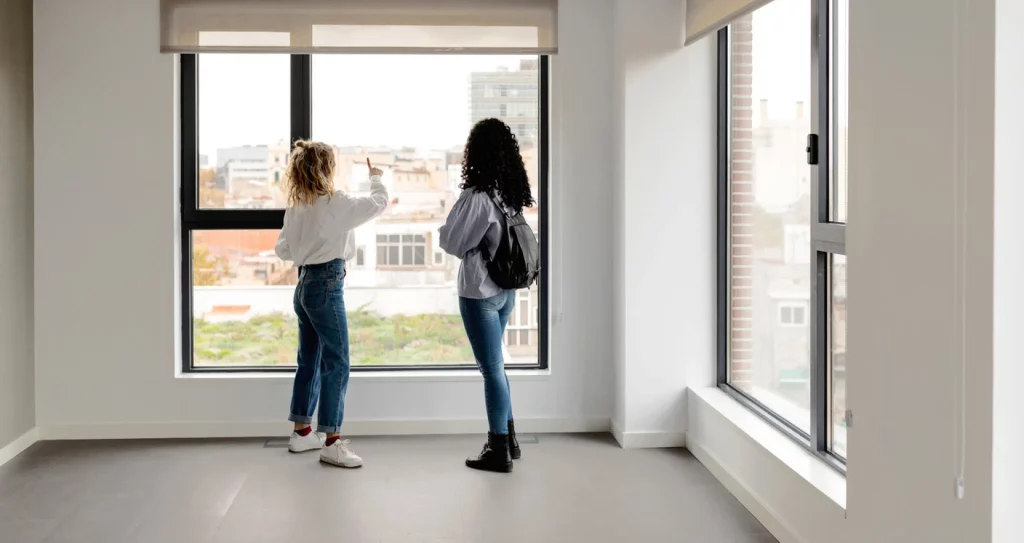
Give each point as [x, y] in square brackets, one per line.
[188, 430]
[19, 445]
[647, 440]
[617, 434]
[764, 514]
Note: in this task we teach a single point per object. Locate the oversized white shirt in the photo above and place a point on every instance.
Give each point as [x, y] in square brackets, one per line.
[322, 232]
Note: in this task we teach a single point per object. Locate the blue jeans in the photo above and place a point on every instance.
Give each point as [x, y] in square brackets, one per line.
[323, 346]
[485, 322]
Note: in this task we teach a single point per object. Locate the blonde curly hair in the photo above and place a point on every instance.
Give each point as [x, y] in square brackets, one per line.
[310, 172]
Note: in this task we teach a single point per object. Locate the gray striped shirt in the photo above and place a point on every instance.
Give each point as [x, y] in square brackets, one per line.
[472, 234]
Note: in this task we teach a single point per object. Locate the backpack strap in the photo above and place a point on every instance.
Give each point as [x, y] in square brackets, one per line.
[501, 208]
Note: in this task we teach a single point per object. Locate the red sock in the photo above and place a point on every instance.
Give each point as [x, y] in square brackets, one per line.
[330, 441]
[305, 431]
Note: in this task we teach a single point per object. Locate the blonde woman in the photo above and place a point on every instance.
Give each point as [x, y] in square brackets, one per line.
[317, 236]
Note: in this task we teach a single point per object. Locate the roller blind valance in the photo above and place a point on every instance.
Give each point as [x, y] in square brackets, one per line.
[359, 26]
[706, 16]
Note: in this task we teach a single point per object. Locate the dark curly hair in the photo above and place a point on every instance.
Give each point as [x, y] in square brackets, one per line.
[491, 162]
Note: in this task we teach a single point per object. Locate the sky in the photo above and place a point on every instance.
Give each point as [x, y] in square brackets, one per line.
[423, 101]
[782, 57]
[393, 100]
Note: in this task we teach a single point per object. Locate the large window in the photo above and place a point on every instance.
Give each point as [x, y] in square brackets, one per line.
[410, 116]
[782, 213]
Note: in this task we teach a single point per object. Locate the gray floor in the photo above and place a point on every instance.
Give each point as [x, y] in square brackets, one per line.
[566, 489]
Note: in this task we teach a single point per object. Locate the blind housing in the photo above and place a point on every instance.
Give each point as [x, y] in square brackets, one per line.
[706, 16]
[359, 26]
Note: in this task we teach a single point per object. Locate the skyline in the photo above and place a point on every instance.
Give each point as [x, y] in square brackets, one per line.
[234, 104]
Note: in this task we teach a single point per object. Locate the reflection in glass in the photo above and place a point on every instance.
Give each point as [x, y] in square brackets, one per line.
[837, 324]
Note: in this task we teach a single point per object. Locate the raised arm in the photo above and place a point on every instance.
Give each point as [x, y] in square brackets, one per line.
[467, 224]
[354, 211]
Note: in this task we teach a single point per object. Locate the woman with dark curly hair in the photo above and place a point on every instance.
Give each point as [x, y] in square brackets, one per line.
[493, 175]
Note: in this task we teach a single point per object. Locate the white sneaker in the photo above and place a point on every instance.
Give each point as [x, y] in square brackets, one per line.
[309, 442]
[339, 454]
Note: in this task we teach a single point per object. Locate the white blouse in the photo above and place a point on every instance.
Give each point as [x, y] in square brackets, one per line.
[323, 231]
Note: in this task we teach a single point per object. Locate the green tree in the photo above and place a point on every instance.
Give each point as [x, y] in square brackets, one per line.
[207, 269]
[209, 194]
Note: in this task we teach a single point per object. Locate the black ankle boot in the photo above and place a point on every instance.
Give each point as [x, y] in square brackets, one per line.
[513, 444]
[494, 457]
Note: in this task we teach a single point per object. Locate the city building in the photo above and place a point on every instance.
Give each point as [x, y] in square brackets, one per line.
[510, 95]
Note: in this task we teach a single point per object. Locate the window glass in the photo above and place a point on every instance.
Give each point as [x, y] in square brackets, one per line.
[770, 202]
[416, 135]
[838, 355]
[841, 108]
[243, 130]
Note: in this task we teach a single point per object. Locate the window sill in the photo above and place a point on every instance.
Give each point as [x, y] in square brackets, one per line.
[412, 376]
[812, 469]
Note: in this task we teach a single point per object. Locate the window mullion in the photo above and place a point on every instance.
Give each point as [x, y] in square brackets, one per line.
[820, 176]
[724, 218]
[301, 98]
[189, 104]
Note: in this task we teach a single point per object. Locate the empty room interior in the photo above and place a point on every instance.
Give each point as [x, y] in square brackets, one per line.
[280, 270]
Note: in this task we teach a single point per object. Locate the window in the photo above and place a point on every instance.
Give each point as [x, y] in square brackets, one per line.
[521, 331]
[401, 250]
[243, 112]
[792, 314]
[782, 198]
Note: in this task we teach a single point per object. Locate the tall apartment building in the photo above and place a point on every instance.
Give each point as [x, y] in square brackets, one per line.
[510, 95]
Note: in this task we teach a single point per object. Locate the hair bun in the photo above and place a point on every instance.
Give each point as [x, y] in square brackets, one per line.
[301, 144]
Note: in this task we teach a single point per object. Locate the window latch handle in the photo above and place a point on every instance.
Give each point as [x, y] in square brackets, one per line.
[812, 149]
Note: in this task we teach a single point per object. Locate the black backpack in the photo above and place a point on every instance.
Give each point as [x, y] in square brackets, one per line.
[516, 263]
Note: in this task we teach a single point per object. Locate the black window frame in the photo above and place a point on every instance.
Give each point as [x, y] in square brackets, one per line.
[827, 237]
[194, 218]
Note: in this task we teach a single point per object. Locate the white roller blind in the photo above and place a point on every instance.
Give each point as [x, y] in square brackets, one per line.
[706, 16]
[359, 26]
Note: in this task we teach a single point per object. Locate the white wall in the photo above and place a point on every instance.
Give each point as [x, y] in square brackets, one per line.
[665, 185]
[106, 351]
[903, 370]
[17, 398]
[1008, 289]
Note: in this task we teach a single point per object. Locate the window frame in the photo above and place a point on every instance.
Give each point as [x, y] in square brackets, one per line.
[827, 238]
[194, 218]
[401, 245]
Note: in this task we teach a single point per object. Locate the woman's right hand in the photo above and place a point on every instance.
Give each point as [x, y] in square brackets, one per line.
[373, 171]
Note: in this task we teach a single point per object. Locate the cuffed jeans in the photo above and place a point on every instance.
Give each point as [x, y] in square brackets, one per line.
[323, 356]
[485, 322]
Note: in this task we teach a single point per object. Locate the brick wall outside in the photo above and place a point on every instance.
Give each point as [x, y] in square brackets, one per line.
[742, 201]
